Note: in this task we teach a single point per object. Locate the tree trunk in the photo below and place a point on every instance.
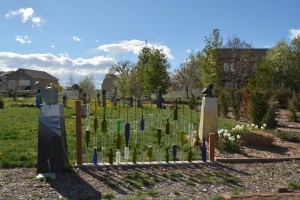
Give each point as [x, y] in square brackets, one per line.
[187, 93]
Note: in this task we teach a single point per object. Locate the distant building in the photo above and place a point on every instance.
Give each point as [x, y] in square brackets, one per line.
[108, 83]
[32, 79]
[238, 65]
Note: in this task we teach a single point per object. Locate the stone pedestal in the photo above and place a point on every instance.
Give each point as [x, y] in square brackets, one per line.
[52, 144]
[209, 117]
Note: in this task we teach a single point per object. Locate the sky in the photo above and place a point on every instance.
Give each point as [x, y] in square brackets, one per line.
[73, 39]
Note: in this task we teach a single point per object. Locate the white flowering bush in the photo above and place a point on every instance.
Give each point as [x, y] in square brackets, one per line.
[231, 140]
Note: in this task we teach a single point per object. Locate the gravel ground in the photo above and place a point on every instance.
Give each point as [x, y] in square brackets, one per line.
[191, 181]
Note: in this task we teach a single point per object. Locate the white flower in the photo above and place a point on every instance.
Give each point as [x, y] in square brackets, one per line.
[264, 125]
[231, 138]
[256, 127]
[238, 137]
[252, 125]
[262, 128]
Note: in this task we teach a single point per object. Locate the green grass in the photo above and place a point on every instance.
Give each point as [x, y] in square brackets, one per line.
[108, 196]
[294, 185]
[152, 192]
[19, 128]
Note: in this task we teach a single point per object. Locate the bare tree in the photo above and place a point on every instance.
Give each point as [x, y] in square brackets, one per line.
[12, 88]
[188, 76]
[238, 61]
[88, 87]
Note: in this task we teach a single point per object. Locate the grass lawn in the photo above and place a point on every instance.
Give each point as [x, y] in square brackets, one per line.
[19, 128]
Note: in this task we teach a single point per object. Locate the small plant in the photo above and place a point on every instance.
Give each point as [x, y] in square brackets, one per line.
[190, 183]
[258, 107]
[223, 106]
[177, 193]
[288, 136]
[152, 192]
[294, 185]
[108, 196]
[270, 118]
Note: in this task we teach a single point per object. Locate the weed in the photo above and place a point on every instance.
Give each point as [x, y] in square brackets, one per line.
[294, 185]
[177, 193]
[218, 197]
[108, 196]
[152, 192]
[190, 183]
[136, 196]
[237, 190]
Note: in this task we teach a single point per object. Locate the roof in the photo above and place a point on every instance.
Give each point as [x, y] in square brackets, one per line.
[6, 73]
[37, 74]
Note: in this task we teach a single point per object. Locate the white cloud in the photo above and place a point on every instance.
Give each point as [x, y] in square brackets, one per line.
[52, 46]
[133, 46]
[23, 39]
[26, 14]
[76, 39]
[294, 33]
[61, 66]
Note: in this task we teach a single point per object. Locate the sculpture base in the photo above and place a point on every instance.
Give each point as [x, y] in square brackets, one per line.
[209, 117]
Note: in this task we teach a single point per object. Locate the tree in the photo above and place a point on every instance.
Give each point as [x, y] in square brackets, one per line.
[126, 83]
[238, 61]
[152, 70]
[188, 75]
[88, 87]
[279, 68]
[12, 88]
[210, 70]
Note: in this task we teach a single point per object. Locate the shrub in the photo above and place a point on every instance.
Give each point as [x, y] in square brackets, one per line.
[1, 103]
[230, 140]
[235, 99]
[293, 108]
[223, 106]
[288, 136]
[270, 117]
[282, 95]
[258, 107]
[258, 138]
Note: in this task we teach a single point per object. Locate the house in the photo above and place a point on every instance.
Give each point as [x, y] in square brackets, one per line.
[238, 65]
[32, 79]
[3, 76]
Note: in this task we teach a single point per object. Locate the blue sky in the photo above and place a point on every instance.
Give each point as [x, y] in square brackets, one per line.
[83, 38]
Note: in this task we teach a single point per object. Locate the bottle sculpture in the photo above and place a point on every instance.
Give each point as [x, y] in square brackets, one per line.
[127, 134]
[167, 134]
[183, 134]
[111, 133]
[95, 157]
[190, 153]
[103, 130]
[142, 129]
[87, 132]
[204, 158]
[175, 132]
[150, 147]
[158, 156]
[135, 124]
[118, 154]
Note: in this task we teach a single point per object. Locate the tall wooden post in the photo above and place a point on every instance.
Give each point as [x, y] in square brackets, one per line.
[78, 132]
[212, 139]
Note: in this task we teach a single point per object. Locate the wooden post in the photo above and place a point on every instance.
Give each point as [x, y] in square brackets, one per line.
[212, 139]
[78, 132]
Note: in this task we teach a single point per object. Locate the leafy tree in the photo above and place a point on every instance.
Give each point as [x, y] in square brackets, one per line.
[188, 75]
[152, 69]
[88, 87]
[280, 68]
[210, 70]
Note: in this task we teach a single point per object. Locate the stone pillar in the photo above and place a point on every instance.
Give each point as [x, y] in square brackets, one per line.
[209, 117]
